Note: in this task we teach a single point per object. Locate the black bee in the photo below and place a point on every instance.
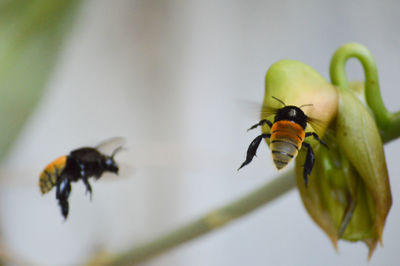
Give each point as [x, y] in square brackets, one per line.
[287, 137]
[81, 163]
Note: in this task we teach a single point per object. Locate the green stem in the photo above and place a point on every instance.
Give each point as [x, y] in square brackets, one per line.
[388, 123]
[205, 224]
[393, 131]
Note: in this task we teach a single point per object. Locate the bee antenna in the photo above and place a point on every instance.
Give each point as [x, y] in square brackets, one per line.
[304, 105]
[118, 149]
[279, 100]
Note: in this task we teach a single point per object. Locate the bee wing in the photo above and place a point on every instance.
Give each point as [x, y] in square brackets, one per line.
[316, 124]
[256, 108]
[108, 146]
[267, 111]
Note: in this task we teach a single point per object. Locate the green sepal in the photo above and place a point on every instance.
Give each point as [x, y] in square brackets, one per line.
[348, 194]
[358, 138]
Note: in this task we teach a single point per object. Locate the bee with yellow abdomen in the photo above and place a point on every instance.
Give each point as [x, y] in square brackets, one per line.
[81, 163]
[286, 138]
[50, 174]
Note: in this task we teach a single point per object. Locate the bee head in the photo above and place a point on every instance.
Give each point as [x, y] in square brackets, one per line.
[110, 164]
[292, 113]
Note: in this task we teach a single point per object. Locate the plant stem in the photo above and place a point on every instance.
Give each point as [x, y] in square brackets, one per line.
[205, 224]
[393, 131]
[388, 123]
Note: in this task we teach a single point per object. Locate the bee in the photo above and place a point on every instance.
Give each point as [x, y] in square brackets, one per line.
[287, 137]
[79, 164]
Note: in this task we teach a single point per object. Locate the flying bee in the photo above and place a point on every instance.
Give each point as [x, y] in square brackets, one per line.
[81, 163]
[286, 138]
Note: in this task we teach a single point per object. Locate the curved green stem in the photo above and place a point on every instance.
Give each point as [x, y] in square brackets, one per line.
[393, 131]
[388, 123]
[205, 224]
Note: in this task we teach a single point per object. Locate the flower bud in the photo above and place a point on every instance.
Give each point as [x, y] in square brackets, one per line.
[348, 194]
[297, 84]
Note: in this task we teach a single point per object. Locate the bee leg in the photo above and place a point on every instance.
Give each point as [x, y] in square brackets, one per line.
[62, 194]
[251, 151]
[308, 134]
[309, 163]
[261, 123]
[88, 186]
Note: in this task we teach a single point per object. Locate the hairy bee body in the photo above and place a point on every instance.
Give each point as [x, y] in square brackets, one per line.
[79, 164]
[50, 174]
[286, 141]
[286, 137]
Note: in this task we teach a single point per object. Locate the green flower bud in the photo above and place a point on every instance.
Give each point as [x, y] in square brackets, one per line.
[348, 194]
[297, 84]
[359, 140]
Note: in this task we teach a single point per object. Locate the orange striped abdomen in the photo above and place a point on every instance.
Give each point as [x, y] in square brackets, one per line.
[48, 178]
[286, 140]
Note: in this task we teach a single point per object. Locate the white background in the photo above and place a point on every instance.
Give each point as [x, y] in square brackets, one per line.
[173, 78]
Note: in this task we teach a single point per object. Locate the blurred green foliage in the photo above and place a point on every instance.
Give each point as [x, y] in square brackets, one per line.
[31, 34]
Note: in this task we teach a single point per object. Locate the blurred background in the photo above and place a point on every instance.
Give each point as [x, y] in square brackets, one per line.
[175, 79]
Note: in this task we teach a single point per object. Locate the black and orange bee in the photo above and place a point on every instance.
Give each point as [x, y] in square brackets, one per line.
[81, 163]
[286, 138]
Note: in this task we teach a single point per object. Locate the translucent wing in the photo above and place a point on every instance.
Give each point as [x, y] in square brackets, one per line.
[109, 146]
[255, 109]
[316, 124]
[267, 111]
